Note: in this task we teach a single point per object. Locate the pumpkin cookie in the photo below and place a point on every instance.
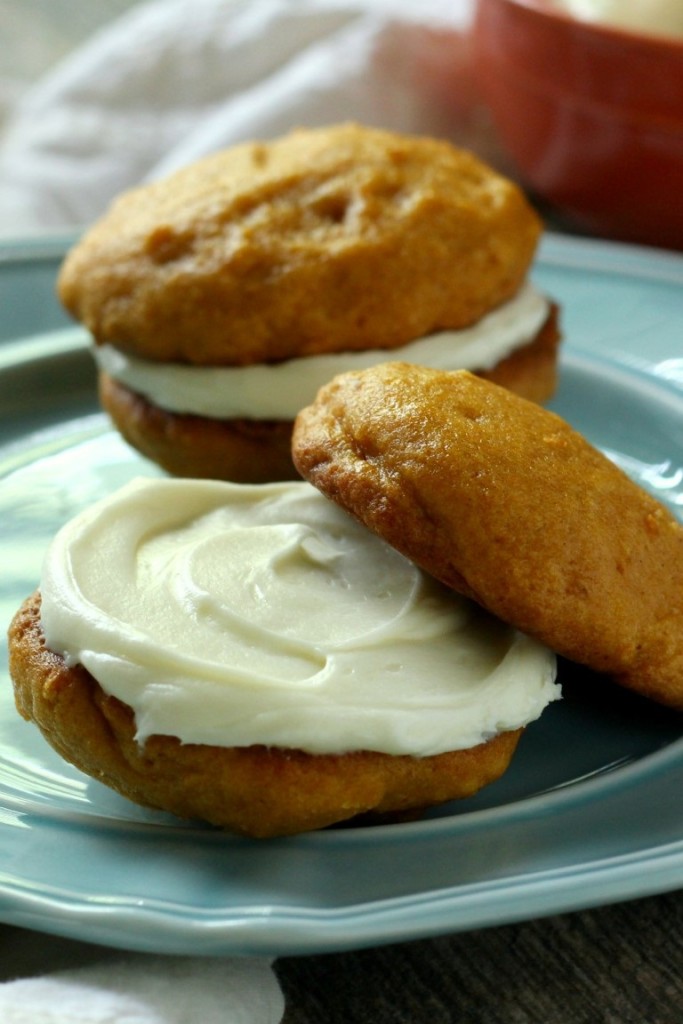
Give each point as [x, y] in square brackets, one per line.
[506, 503]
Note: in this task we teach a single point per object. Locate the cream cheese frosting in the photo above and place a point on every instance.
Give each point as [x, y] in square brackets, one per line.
[279, 390]
[233, 615]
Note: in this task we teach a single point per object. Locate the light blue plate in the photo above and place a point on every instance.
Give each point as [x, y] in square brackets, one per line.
[591, 810]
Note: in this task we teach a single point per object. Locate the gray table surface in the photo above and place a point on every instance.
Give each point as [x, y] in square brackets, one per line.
[616, 965]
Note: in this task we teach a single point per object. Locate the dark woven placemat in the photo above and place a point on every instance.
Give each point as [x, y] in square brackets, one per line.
[621, 964]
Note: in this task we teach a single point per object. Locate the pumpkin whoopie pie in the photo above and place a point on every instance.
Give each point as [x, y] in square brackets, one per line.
[222, 297]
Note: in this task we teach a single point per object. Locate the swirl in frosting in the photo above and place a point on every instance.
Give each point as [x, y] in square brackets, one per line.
[234, 615]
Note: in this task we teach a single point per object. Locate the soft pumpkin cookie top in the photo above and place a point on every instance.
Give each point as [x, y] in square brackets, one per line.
[340, 238]
[505, 502]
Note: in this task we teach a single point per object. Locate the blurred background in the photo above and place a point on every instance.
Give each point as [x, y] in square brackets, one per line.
[36, 34]
[580, 100]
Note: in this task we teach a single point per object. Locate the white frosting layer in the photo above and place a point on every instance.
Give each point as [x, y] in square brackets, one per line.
[232, 615]
[280, 390]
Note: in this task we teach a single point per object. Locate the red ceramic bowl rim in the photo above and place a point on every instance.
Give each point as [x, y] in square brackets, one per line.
[548, 9]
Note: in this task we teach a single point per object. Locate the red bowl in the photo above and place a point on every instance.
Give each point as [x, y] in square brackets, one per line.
[592, 116]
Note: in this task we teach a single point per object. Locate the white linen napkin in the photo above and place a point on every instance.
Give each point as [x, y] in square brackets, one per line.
[174, 79]
[141, 989]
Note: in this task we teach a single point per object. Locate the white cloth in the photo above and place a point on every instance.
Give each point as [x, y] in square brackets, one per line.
[174, 79]
[141, 989]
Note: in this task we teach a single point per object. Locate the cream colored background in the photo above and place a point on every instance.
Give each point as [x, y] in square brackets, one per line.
[36, 34]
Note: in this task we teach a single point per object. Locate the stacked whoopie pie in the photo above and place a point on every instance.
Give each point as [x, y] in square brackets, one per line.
[220, 299]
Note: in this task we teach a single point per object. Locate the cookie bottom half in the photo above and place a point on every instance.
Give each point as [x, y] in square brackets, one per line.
[256, 791]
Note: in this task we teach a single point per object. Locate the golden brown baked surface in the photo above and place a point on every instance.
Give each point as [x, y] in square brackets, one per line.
[505, 502]
[340, 238]
[257, 791]
[255, 451]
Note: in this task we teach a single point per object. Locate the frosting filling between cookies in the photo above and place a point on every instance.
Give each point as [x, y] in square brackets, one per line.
[280, 390]
[234, 615]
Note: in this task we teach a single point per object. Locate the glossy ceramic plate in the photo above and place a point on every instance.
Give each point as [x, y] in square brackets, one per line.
[591, 810]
